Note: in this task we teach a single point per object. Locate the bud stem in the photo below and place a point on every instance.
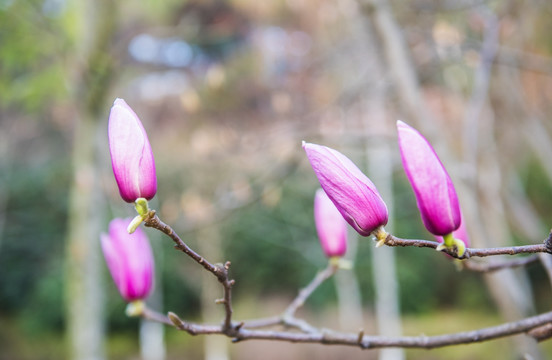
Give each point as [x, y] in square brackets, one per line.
[450, 243]
[142, 208]
[141, 205]
[381, 236]
[449, 240]
[135, 308]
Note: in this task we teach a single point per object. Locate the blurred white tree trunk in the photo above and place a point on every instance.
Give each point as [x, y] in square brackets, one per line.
[367, 117]
[84, 291]
[348, 292]
[6, 140]
[510, 288]
[84, 269]
[485, 215]
[380, 170]
[210, 247]
[152, 334]
[152, 343]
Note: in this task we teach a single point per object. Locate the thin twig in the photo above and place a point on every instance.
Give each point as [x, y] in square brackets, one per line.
[310, 334]
[263, 322]
[153, 315]
[485, 268]
[153, 221]
[471, 252]
[322, 276]
[329, 337]
[193, 329]
[218, 270]
[287, 318]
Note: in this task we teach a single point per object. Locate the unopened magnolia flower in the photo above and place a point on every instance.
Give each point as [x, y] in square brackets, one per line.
[430, 181]
[129, 259]
[330, 226]
[354, 195]
[131, 154]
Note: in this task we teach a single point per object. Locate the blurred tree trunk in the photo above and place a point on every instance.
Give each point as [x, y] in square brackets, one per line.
[152, 334]
[508, 290]
[210, 246]
[509, 287]
[380, 170]
[368, 118]
[6, 136]
[348, 292]
[84, 291]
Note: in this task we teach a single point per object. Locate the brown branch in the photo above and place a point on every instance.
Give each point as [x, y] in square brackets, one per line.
[153, 315]
[218, 270]
[194, 329]
[542, 333]
[322, 276]
[306, 333]
[287, 318]
[472, 252]
[153, 221]
[263, 322]
[330, 337]
[485, 268]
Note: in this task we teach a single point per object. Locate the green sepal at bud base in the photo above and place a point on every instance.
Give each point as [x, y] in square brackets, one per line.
[451, 243]
[141, 205]
[135, 308]
[381, 236]
[340, 263]
[142, 208]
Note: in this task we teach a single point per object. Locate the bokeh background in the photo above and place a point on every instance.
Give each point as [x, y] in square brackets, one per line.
[227, 90]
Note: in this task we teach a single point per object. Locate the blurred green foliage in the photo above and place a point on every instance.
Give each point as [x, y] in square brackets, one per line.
[31, 57]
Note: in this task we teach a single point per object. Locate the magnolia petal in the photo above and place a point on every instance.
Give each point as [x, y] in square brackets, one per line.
[330, 226]
[131, 155]
[129, 259]
[354, 195]
[435, 194]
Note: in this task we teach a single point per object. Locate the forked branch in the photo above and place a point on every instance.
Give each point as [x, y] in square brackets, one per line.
[300, 331]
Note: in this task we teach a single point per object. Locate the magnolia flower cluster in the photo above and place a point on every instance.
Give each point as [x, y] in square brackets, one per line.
[347, 196]
[358, 201]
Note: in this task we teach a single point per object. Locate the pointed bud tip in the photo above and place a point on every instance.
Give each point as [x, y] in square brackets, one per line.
[402, 124]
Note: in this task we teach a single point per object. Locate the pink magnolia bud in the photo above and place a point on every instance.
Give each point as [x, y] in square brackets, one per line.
[330, 225]
[430, 181]
[131, 155]
[129, 259]
[354, 195]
